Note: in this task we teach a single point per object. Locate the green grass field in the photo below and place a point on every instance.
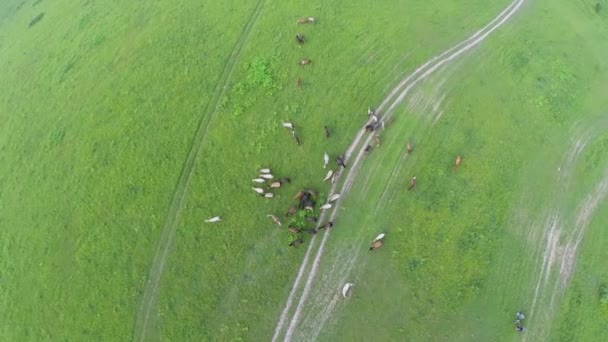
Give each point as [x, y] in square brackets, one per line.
[123, 126]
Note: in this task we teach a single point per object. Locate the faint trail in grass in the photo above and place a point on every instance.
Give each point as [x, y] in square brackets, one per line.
[402, 89]
[558, 259]
[142, 318]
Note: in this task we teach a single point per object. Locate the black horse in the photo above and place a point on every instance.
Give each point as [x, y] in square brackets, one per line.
[300, 39]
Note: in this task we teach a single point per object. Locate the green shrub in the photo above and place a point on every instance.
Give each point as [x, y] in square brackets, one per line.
[603, 294]
[259, 74]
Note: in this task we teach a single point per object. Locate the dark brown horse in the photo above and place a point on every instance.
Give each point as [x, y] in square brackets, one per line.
[296, 242]
[375, 245]
[412, 183]
[340, 161]
[327, 225]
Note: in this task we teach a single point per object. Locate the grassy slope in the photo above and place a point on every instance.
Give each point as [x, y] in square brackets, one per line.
[455, 256]
[229, 281]
[98, 110]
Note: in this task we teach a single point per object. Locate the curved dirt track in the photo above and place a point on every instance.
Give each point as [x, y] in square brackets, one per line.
[401, 90]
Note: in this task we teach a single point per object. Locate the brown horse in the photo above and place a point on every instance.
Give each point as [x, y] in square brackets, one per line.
[299, 83]
[409, 147]
[307, 20]
[412, 183]
[375, 245]
[457, 162]
[305, 61]
[290, 212]
[367, 149]
[327, 225]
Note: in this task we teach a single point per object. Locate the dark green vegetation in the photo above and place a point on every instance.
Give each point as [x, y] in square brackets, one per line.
[99, 111]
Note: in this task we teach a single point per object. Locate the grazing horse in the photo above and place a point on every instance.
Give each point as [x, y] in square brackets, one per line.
[377, 140]
[370, 111]
[375, 245]
[311, 219]
[312, 193]
[305, 61]
[299, 83]
[333, 197]
[368, 148]
[377, 125]
[297, 140]
[290, 212]
[307, 20]
[329, 174]
[275, 219]
[412, 183]
[379, 237]
[309, 231]
[309, 205]
[346, 288]
[300, 39]
[326, 131]
[327, 225]
[369, 127]
[213, 219]
[285, 180]
[409, 147]
[326, 206]
[296, 242]
[299, 195]
[265, 171]
[340, 161]
[457, 162]
[293, 230]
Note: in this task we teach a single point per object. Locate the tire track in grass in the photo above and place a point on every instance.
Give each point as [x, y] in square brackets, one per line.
[402, 89]
[142, 318]
[558, 259]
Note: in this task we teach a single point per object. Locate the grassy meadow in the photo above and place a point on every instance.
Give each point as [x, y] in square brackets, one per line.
[124, 125]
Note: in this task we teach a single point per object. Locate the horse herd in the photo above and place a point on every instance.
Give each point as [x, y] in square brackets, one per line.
[305, 200]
